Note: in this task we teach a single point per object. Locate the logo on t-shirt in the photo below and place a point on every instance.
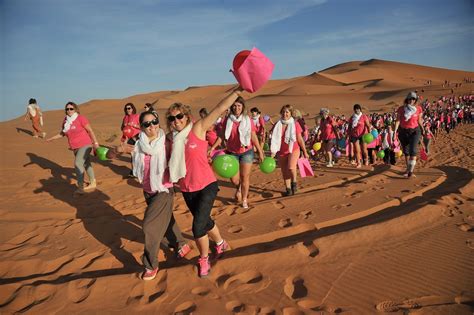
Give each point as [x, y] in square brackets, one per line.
[192, 145]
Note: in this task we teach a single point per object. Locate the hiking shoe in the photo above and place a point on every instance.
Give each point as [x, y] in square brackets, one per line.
[294, 188]
[149, 274]
[183, 251]
[288, 192]
[91, 186]
[220, 249]
[204, 266]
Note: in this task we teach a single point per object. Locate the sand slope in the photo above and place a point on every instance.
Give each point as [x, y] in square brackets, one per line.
[353, 241]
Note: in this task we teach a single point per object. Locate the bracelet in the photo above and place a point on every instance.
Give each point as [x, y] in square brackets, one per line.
[96, 142]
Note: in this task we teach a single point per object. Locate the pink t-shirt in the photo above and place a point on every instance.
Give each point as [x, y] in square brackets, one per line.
[412, 122]
[132, 119]
[233, 143]
[327, 130]
[77, 135]
[261, 127]
[199, 173]
[360, 129]
[146, 176]
[285, 148]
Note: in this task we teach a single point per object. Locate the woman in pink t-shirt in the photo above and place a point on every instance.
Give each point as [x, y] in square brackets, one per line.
[358, 126]
[150, 168]
[189, 167]
[259, 123]
[240, 136]
[287, 140]
[328, 136]
[81, 140]
[130, 120]
[409, 125]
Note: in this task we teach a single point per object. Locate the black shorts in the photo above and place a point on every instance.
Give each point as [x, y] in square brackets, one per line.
[200, 204]
[409, 139]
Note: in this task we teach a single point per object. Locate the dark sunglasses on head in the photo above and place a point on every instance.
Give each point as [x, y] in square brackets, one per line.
[147, 124]
[173, 118]
[69, 108]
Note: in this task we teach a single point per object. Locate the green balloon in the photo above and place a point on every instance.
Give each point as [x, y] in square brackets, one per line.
[101, 153]
[268, 165]
[381, 154]
[266, 147]
[226, 165]
[368, 138]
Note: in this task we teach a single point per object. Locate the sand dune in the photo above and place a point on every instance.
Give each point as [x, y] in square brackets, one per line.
[353, 241]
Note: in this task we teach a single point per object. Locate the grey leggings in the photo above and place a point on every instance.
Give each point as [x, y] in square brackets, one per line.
[82, 162]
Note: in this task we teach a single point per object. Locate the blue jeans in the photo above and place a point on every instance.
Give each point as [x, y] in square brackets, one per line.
[244, 158]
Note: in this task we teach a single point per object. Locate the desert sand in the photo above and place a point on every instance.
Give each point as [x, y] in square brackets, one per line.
[352, 241]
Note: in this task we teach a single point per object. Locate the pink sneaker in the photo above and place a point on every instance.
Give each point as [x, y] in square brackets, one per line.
[220, 249]
[204, 266]
[149, 274]
[183, 251]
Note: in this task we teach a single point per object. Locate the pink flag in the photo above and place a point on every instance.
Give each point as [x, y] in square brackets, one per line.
[252, 69]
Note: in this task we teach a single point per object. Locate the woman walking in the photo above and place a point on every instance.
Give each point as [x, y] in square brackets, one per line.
[33, 112]
[81, 139]
[409, 126]
[190, 168]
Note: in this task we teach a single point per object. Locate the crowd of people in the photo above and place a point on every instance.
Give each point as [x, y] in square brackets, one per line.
[163, 161]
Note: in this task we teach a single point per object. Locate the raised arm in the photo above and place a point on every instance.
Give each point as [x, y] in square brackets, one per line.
[200, 127]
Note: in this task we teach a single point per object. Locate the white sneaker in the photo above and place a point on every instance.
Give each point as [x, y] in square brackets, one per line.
[330, 165]
[91, 186]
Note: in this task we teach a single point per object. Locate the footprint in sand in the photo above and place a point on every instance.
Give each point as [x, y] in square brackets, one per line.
[247, 277]
[156, 288]
[447, 213]
[279, 205]
[291, 311]
[294, 288]
[235, 306]
[387, 306]
[470, 243]
[185, 308]
[79, 290]
[266, 310]
[308, 248]
[231, 211]
[305, 214]
[235, 229]
[241, 210]
[202, 291]
[283, 223]
[465, 227]
[310, 305]
[136, 294]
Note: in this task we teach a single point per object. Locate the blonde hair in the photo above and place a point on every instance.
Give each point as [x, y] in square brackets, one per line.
[185, 109]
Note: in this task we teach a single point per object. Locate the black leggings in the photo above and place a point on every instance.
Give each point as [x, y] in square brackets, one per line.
[200, 204]
[409, 139]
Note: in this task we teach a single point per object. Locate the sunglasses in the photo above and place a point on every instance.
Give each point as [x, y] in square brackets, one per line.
[173, 118]
[128, 108]
[147, 124]
[69, 108]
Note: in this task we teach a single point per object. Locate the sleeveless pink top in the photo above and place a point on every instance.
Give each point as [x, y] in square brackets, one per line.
[199, 173]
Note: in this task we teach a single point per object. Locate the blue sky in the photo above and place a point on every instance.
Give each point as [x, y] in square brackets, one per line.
[61, 50]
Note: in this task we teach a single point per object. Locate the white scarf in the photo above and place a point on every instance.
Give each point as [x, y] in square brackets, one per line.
[355, 119]
[177, 163]
[245, 130]
[409, 111]
[290, 135]
[69, 121]
[256, 120]
[156, 149]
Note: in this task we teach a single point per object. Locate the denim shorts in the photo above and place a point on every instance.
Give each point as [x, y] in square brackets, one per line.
[244, 158]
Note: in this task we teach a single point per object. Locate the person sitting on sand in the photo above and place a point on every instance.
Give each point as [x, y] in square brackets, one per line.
[409, 129]
[189, 167]
[81, 140]
[150, 168]
[287, 140]
[33, 112]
